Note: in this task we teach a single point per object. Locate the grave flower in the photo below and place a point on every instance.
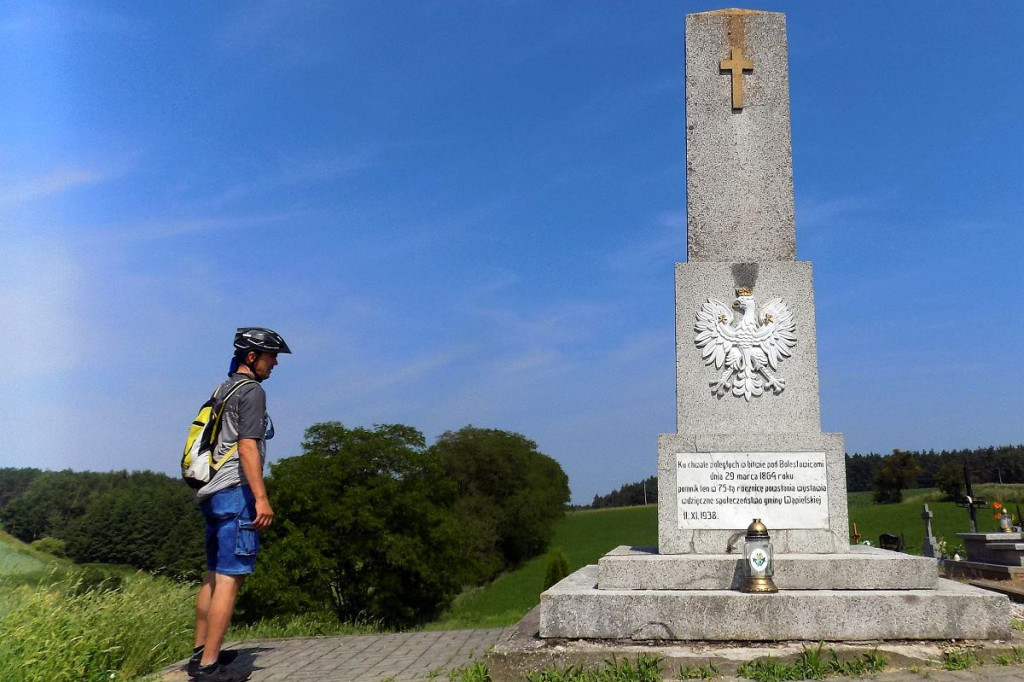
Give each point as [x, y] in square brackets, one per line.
[1004, 516]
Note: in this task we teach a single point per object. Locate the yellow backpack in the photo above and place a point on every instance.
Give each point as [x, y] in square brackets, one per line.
[197, 465]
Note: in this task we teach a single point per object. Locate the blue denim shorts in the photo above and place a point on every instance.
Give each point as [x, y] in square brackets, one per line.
[231, 542]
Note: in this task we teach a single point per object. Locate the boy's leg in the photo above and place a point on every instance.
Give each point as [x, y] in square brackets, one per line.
[224, 589]
[203, 608]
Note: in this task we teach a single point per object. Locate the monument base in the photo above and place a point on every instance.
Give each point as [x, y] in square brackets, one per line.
[523, 651]
[577, 608]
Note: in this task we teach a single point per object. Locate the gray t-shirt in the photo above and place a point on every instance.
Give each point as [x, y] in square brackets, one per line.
[245, 416]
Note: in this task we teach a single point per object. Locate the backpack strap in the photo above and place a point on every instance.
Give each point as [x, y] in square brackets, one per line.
[216, 423]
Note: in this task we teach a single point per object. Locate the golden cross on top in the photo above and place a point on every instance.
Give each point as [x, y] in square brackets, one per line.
[737, 65]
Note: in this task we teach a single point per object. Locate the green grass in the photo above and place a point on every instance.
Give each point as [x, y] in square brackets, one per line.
[19, 565]
[584, 536]
[647, 668]
[316, 624]
[814, 663]
[18, 559]
[60, 621]
[959, 659]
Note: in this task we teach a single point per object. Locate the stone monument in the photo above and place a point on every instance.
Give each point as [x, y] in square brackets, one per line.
[749, 442]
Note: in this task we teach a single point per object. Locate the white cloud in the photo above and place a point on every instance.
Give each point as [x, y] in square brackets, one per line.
[173, 228]
[14, 192]
[386, 377]
[287, 171]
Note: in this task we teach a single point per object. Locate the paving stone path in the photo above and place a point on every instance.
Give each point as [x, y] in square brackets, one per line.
[431, 655]
[357, 658]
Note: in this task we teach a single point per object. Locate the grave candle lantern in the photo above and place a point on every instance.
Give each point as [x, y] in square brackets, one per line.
[759, 565]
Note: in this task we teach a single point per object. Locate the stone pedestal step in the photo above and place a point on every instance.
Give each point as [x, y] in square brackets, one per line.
[576, 608]
[864, 568]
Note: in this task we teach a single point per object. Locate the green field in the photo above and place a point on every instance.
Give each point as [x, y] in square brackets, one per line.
[586, 535]
[948, 519]
[16, 559]
[18, 565]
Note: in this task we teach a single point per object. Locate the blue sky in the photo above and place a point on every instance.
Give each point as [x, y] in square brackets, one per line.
[469, 213]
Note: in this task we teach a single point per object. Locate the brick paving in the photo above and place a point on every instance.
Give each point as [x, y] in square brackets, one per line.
[406, 657]
[357, 658]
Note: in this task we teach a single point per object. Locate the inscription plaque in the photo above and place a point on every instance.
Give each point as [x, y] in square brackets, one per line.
[725, 490]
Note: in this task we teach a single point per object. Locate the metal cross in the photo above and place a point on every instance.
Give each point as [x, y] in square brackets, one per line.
[969, 502]
[737, 65]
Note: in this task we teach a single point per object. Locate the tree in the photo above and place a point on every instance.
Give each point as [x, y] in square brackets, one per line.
[146, 520]
[861, 471]
[367, 530]
[898, 471]
[950, 480]
[13, 483]
[508, 484]
[50, 501]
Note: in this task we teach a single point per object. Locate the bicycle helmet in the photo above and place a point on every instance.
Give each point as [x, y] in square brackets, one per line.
[259, 339]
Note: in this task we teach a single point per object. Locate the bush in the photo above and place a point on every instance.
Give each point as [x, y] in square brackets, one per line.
[95, 579]
[558, 567]
[52, 546]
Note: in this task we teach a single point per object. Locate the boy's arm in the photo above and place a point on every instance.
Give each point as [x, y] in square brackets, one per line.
[249, 456]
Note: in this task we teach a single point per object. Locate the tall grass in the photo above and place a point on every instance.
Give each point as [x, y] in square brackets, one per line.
[69, 631]
[313, 624]
[75, 627]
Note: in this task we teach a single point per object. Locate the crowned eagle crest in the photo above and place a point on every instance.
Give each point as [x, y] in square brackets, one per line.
[749, 344]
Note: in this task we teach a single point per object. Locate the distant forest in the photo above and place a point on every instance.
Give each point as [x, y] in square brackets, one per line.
[370, 524]
[629, 495]
[994, 464]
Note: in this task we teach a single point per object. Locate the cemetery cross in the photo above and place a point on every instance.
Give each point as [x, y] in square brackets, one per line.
[969, 502]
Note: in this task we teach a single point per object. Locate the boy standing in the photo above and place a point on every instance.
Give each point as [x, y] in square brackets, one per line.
[234, 503]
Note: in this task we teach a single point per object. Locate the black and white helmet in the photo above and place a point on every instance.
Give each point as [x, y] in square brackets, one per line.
[259, 339]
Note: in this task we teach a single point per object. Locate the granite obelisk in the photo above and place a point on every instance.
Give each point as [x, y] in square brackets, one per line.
[749, 442]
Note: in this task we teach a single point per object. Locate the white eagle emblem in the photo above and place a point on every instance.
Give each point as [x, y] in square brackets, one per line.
[746, 344]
